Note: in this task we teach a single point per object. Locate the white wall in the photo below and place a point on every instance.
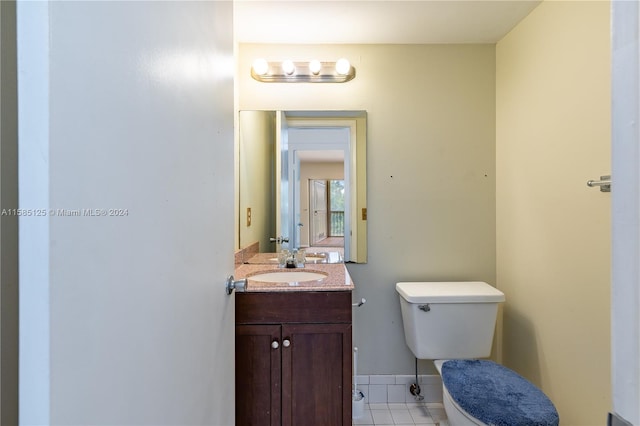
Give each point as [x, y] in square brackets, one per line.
[126, 105]
[553, 232]
[625, 294]
[430, 170]
[34, 244]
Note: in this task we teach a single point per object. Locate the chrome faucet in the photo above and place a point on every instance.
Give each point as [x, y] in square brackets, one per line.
[294, 259]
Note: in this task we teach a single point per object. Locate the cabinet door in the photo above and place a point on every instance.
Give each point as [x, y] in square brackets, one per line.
[316, 374]
[258, 375]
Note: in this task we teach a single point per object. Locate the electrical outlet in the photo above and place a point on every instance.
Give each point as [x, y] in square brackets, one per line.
[248, 216]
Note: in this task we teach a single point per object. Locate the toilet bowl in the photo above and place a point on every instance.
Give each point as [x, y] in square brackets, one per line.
[452, 323]
[482, 392]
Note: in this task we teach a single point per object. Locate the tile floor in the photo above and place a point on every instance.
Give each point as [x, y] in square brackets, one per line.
[405, 414]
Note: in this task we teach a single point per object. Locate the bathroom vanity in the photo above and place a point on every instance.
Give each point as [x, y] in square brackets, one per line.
[293, 348]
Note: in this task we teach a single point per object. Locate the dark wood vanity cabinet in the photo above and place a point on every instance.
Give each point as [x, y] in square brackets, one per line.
[293, 359]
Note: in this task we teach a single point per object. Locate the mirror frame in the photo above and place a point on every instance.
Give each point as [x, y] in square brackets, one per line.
[276, 124]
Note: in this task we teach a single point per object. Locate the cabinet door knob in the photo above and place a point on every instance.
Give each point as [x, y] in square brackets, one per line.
[286, 343]
[275, 344]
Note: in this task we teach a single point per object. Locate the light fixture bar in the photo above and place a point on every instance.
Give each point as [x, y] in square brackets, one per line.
[303, 72]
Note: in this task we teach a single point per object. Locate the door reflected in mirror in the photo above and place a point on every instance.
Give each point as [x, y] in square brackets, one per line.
[302, 181]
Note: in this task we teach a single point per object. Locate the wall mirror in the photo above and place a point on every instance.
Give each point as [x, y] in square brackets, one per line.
[302, 181]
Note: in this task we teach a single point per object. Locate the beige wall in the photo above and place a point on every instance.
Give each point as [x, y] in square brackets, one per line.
[553, 232]
[256, 178]
[430, 170]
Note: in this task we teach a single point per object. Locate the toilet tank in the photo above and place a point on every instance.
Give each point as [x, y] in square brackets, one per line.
[449, 320]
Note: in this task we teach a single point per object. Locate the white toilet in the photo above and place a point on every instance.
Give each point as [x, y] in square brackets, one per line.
[452, 323]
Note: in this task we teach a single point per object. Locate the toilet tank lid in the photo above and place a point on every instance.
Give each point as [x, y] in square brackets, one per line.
[449, 292]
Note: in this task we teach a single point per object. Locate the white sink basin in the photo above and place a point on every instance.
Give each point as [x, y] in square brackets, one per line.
[287, 277]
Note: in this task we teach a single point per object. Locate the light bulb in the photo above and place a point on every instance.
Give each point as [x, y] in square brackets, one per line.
[343, 66]
[315, 66]
[260, 66]
[288, 67]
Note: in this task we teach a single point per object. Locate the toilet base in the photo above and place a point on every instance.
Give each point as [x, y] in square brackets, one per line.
[456, 416]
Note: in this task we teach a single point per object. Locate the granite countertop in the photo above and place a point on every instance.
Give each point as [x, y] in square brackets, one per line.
[338, 278]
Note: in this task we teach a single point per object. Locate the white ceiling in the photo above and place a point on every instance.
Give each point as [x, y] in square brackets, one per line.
[382, 21]
[325, 156]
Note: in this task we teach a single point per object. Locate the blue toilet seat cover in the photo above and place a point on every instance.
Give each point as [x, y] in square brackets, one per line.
[496, 395]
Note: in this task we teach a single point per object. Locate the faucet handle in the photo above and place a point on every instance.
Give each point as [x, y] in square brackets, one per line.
[279, 240]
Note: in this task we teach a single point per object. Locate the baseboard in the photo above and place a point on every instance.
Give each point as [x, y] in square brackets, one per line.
[386, 388]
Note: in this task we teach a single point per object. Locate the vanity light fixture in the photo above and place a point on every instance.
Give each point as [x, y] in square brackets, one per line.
[315, 66]
[313, 71]
[260, 67]
[343, 66]
[288, 67]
